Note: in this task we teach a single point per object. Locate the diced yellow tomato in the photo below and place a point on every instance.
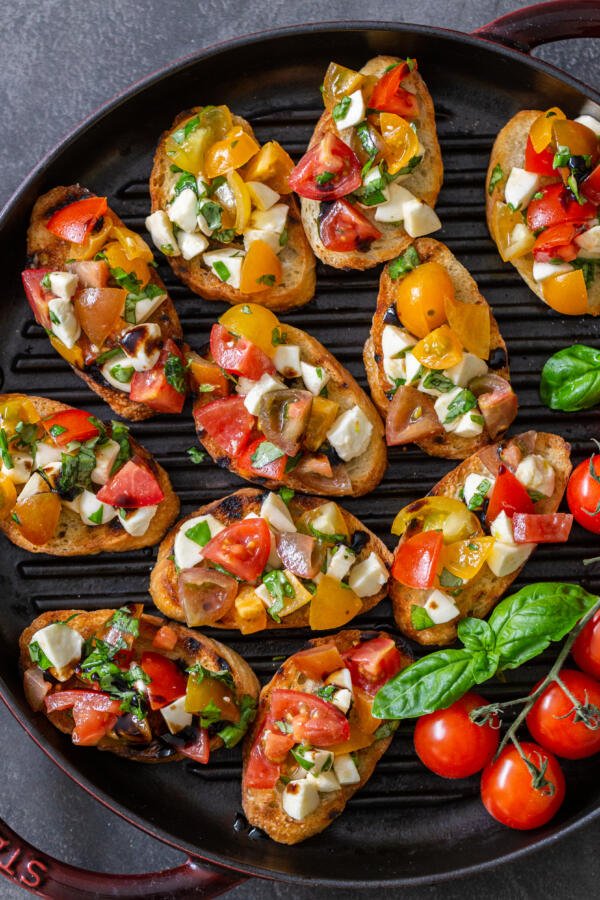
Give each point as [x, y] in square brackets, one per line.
[339, 82]
[512, 236]
[250, 612]
[272, 165]
[135, 247]
[465, 558]
[440, 349]
[117, 258]
[231, 152]
[362, 706]
[200, 693]
[580, 140]
[73, 355]
[420, 298]
[261, 269]
[470, 322]
[541, 130]
[358, 740]
[14, 411]
[243, 203]
[301, 595]
[566, 293]
[187, 145]
[254, 322]
[326, 519]
[323, 414]
[38, 517]
[333, 604]
[434, 513]
[8, 495]
[401, 141]
[93, 243]
[224, 195]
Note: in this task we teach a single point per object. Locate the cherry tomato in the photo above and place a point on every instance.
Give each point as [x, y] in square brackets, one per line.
[314, 721]
[566, 293]
[539, 163]
[440, 349]
[555, 724]
[508, 495]
[260, 772]
[509, 792]
[372, 663]
[227, 422]
[154, 388]
[237, 354]
[450, 744]
[417, 558]
[328, 171]
[132, 487]
[344, 228]
[389, 95]
[411, 417]
[70, 425]
[38, 516]
[583, 493]
[242, 548]
[37, 295]
[586, 649]
[248, 462]
[590, 186]
[167, 681]
[556, 242]
[542, 528]
[75, 221]
[421, 298]
[556, 206]
[320, 661]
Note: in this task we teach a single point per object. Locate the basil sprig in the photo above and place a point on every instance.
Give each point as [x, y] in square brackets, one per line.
[571, 379]
[521, 627]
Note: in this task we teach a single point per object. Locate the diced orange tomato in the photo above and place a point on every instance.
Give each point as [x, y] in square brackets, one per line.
[242, 200]
[566, 293]
[200, 693]
[38, 517]
[401, 141]
[8, 496]
[420, 298]
[332, 605]
[134, 246]
[320, 661]
[358, 740]
[73, 355]
[540, 132]
[362, 705]
[271, 165]
[470, 322]
[440, 349]
[98, 310]
[93, 243]
[231, 152]
[250, 612]
[261, 269]
[117, 258]
[207, 378]
[165, 638]
[323, 414]
[580, 140]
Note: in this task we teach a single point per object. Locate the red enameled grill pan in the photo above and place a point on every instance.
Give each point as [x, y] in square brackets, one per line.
[406, 826]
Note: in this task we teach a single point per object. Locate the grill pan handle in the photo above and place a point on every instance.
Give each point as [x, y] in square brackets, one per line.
[47, 877]
[543, 23]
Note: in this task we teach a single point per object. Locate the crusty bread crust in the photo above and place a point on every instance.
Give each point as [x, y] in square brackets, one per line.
[48, 251]
[483, 592]
[446, 445]
[425, 182]
[192, 646]
[366, 470]
[233, 508]
[263, 806]
[297, 259]
[73, 537]
[509, 151]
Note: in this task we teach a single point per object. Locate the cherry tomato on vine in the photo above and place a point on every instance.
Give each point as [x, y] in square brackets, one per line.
[450, 744]
[583, 493]
[519, 796]
[586, 649]
[556, 723]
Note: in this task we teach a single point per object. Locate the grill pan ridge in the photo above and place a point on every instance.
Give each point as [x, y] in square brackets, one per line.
[404, 812]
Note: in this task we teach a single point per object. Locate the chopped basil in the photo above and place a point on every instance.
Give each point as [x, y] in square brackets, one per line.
[76, 471]
[536, 496]
[122, 374]
[108, 354]
[210, 714]
[340, 109]
[538, 195]
[57, 430]
[410, 166]
[186, 181]
[39, 657]
[448, 580]
[293, 462]
[324, 177]
[476, 501]
[298, 754]
[387, 729]
[199, 533]
[96, 517]
[124, 621]
[328, 538]
[279, 588]
[477, 419]
[196, 455]
[232, 734]
[175, 373]
[461, 404]
[225, 237]
[286, 494]
[269, 280]
[54, 318]
[99, 667]
[212, 212]
[588, 267]
[182, 134]
[496, 176]
[561, 158]
[120, 434]
[128, 281]
[327, 692]
[200, 672]
[167, 249]
[150, 292]
[222, 270]
[246, 310]
[420, 618]
[265, 453]
[278, 336]
[15, 518]
[206, 388]
[366, 139]
[283, 238]
[404, 263]
[7, 460]
[437, 381]
[45, 282]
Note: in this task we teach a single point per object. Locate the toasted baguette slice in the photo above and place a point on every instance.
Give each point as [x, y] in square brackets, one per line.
[191, 647]
[509, 151]
[46, 250]
[447, 444]
[74, 537]
[297, 259]
[481, 594]
[164, 577]
[425, 181]
[263, 807]
[365, 471]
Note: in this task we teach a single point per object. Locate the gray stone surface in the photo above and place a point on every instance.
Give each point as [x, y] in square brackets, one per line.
[60, 60]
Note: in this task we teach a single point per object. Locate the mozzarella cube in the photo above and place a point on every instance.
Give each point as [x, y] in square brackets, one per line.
[286, 360]
[394, 340]
[137, 521]
[412, 367]
[141, 345]
[350, 434]
[342, 699]
[442, 404]
[345, 769]
[504, 559]
[272, 219]
[263, 197]
[262, 234]
[466, 370]
[161, 232]
[354, 110]
[319, 759]
[314, 377]
[590, 240]
[93, 511]
[63, 284]
[262, 591]
[368, 577]
[191, 245]
[120, 363]
[543, 270]
[187, 552]
[265, 385]
[536, 474]
[340, 561]
[226, 264]
[472, 485]
[182, 210]
[143, 309]
[394, 209]
[501, 528]
[300, 799]
[64, 321]
[106, 455]
[342, 678]
[520, 187]
[394, 368]
[325, 782]
[35, 485]
[276, 513]
[62, 645]
[589, 122]
[326, 517]
[469, 425]
[175, 715]
[22, 464]
[440, 607]
[420, 219]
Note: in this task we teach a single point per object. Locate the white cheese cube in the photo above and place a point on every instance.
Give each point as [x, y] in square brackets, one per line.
[315, 377]
[187, 552]
[203, 225]
[137, 521]
[466, 370]
[350, 434]
[325, 518]
[143, 309]
[62, 645]
[93, 511]
[590, 240]
[63, 284]
[412, 367]
[191, 245]
[504, 559]
[469, 425]
[589, 122]
[340, 561]
[442, 404]
[420, 219]
[35, 485]
[536, 474]
[345, 769]
[342, 699]
[320, 759]
[145, 349]
[182, 210]
[64, 321]
[342, 678]
[262, 234]
[473, 483]
[300, 799]
[226, 264]
[501, 528]
[368, 577]
[354, 111]
[325, 782]
[272, 219]
[106, 455]
[286, 360]
[161, 232]
[520, 187]
[394, 368]
[175, 715]
[22, 464]
[394, 340]
[262, 591]
[263, 197]
[266, 384]
[73, 505]
[276, 513]
[543, 270]
[394, 209]
[116, 364]
[45, 454]
[440, 607]
[244, 386]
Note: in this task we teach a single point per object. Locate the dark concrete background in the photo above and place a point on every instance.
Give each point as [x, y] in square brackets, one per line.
[60, 60]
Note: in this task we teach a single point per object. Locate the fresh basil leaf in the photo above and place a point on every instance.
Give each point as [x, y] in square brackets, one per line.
[476, 635]
[210, 714]
[436, 381]
[199, 533]
[268, 280]
[212, 212]
[588, 267]
[495, 178]
[120, 434]
[366, 139]
[476, 501]
[411, 165]
[149, 292]
[327, 692]
[39, 657]
[185, 181]
[123, 620]
[200, 672]
[448, 580]
[298, 754]
[420, 618]
[108, 354]
[433, 682]
[122, 374]
[404, 263]
[279, 588]
[175, 373]
[7, 459]
[341, 109]
[196, 455]
[265, 453]
[278, 336]
[96, 517]
[221, 270]
[286, 494]
[232, 734]
[461, 404]
[324, 177]
[571, 379]
[181, 135]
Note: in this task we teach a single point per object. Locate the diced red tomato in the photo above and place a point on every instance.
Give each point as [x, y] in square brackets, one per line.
[389, 95]
[197, 749]
[227, 422]
[92, 273]
[75, 221]
[167, 681]
[320, 661]
[165, 638]
[556, 206]
[94, 713]
[542, 528]
[345, 228]
[556, 242]
[539, 163]
[91, 726]
[153, 388]
[70, 425]
[314, 721]
[328, 171]
[274, 470]
[237, 354]
[509, 496]
[36, 294]
[260, 772]
[417, 558]
[132, 487]
[278, 745]
[96, 700]
[373, 662]
[242, 548]
[590, 186]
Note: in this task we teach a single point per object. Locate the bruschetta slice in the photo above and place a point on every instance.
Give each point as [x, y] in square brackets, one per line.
[71, 485]
[373, 169]
[136, 685]
[436, 362]
[314, 742]
[93, 287]
[274, 406]
[257, 560]
[223, 213]
[465, 543]
[543, 192]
